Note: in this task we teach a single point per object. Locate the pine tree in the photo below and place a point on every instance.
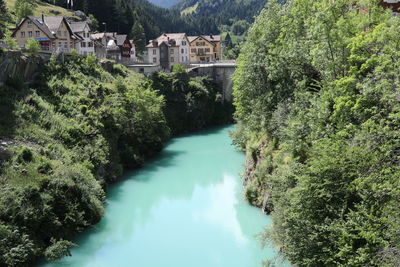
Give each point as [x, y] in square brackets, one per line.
[138, 36]
[228, 40]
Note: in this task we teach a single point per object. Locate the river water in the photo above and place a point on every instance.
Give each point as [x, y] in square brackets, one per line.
[183, 209]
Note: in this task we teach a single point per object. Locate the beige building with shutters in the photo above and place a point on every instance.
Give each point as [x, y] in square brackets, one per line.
[205, 48]
[54, 34]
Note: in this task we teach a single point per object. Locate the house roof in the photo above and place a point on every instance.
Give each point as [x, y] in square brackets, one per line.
[49, 26]
[120, 38]
[170, 39]
[209, 38]
[39, 23]
[101, 35]
[53, 23]
[79, 26]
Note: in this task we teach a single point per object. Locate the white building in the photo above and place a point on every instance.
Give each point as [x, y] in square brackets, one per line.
[169, 49]
[82, 30]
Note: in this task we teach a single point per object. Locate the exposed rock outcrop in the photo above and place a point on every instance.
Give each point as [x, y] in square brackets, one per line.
[14, 64]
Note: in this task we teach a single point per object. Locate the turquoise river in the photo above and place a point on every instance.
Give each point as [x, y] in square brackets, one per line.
[185, 208]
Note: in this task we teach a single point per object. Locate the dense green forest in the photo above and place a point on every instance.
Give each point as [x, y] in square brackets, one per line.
[207, 18]
[72, 132]
[211, 15]
[317, 101]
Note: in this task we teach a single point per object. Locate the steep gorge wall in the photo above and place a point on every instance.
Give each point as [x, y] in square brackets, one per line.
[15, 64]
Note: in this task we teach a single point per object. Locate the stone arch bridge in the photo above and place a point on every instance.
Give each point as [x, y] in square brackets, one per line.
[220, 72]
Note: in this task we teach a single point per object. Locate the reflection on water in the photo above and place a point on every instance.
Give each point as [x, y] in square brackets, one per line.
[185, 208]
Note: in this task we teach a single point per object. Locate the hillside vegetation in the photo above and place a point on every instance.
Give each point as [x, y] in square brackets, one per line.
[317, 101]
[39, 8]
[63, 139]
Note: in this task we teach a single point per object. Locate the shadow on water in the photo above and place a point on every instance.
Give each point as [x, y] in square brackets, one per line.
[170, 177]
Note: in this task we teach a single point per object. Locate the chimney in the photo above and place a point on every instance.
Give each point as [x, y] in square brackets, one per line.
[42, 18]
[211, 36]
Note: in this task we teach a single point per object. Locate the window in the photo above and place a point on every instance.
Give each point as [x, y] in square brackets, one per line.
[154, 51]
[29, 24]
[59, 33]
[194, 50]
[172, 51]
[30, 34]
[65, 45]
[71, 44]
[207, 50]
[65, 33]
[182, 51]
[90, 44]
[200, 43]
[183, 59]
[172, 59]
[83, 44]
[37, 33]
[183, 42]
[59, 44]
[22, 34]
[154, 59]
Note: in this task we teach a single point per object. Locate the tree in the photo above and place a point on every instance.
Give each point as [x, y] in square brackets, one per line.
[138, 37]
[4, 17]
[58, 250]
[22, 9]
[315, 98]
[10, 41]
[32, 46]
[93, 23]
[228, 41]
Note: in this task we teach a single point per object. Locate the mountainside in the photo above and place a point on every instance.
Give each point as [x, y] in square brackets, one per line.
[190, 16]
[212, 14]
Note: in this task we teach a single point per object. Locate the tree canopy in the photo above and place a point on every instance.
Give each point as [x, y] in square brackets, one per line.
[317, 103]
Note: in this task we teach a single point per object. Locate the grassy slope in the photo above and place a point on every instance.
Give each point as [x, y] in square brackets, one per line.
[42, 8]
[190, 10]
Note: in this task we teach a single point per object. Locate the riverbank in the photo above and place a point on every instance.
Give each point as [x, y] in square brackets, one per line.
[184, 208]
[72, 132]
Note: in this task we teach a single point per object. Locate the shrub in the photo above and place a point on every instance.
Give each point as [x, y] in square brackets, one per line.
[32, 47]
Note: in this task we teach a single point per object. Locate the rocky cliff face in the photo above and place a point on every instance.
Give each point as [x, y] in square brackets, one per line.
[14, 64]
[256, 190]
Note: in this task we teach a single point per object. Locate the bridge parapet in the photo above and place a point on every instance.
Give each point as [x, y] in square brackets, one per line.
[220, 72]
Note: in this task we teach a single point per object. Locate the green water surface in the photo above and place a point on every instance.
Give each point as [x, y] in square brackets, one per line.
[183, 209]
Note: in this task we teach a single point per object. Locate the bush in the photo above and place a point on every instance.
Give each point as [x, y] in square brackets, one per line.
[58, 250]
[32, 47]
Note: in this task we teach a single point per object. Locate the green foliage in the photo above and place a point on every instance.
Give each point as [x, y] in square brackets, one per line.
[193, 17]
[138, 36]
[93, 22]
[25, 155]
[83, 126]
[316, 97]
[58, 250]
[10, 41]
[32, 46]
[73, 133]
[4, 18]
[191, 103]
[23, 8]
